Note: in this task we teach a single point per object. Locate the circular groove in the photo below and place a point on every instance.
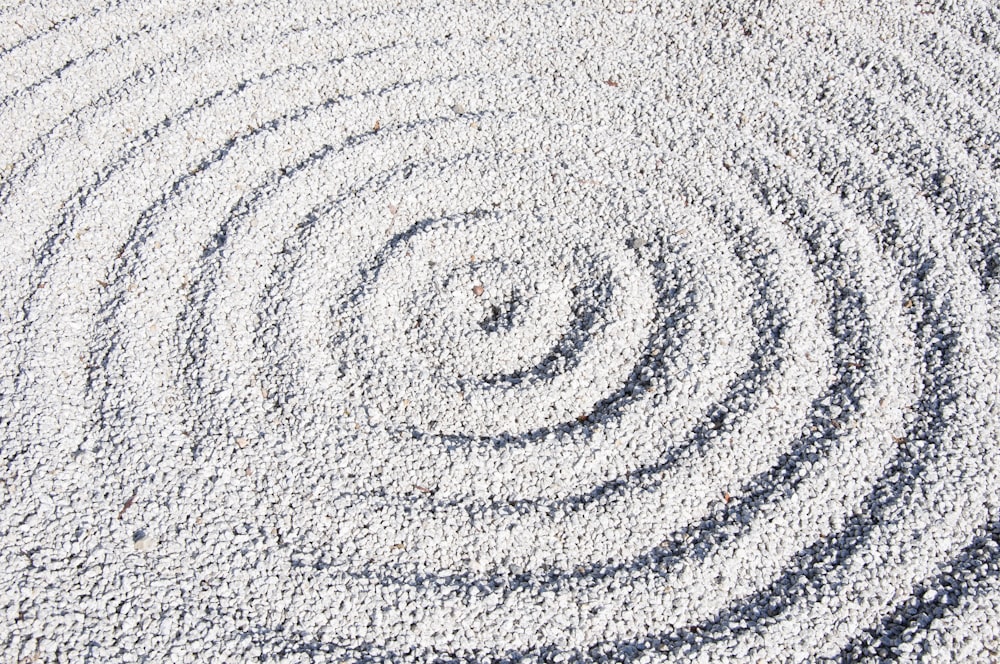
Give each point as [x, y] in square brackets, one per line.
[460, 334]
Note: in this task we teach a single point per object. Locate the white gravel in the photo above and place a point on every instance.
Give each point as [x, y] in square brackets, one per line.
[531, 332]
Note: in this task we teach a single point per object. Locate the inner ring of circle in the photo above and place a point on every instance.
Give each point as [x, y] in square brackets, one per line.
[405, 390]
[466, 309]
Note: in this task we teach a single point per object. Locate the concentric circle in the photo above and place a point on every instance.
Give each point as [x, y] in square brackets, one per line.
[563, 333]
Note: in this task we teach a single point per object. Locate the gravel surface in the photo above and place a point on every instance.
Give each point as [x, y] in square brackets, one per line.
[517, 332]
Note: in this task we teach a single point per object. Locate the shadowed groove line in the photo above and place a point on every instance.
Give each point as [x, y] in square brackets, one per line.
[854, 115]
[814, 565]
[882, 498]
[974, 209]
[245, 205]
[584, 314]
[930, 405]
[109, 311]
[56, 27]
[754, 497]
[604, 412]
[654, 357]
[194, 309]
[974, 563]
[897, 481]
[972, 118]
[140, 26]
[930, 600]
[740, 388]
[46, 256]
[38, 144]
[885, 71]
[839, 165]
[884, 206]
[73, 61]
[156, 69]
[899, 137]
[612, 407]
[404, 170]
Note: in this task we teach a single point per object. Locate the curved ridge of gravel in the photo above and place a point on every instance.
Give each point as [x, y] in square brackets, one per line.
[499, 333]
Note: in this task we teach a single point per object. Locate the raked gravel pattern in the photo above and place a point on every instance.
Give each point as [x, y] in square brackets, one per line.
[517, 332]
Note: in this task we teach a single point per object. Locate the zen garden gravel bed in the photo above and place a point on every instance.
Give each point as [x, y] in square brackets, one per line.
[499, 332]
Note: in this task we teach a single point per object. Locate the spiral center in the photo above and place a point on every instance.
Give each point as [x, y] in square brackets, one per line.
[504, 324]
